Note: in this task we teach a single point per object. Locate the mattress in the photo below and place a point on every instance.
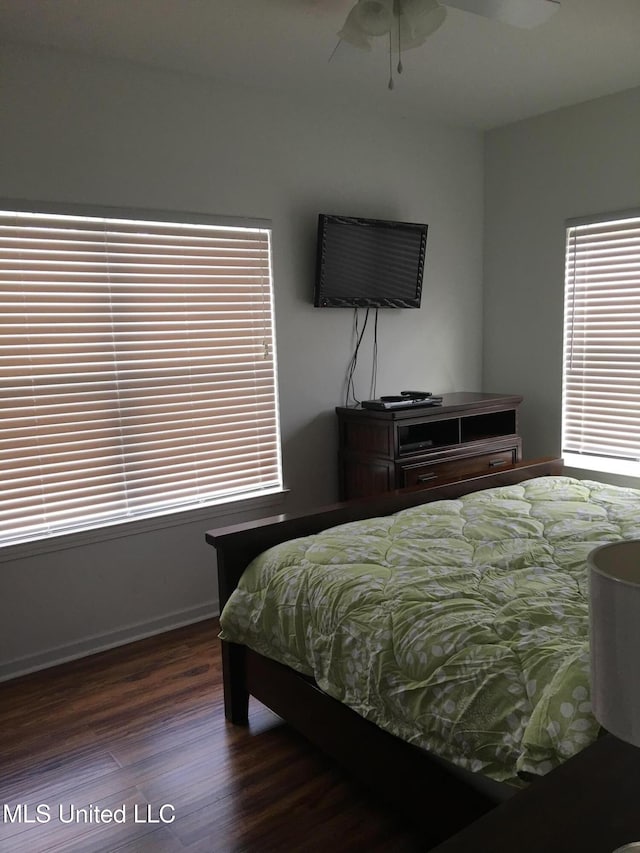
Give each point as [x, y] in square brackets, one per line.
[460, 626]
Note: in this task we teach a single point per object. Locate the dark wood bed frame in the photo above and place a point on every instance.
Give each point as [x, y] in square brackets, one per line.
[422, 787]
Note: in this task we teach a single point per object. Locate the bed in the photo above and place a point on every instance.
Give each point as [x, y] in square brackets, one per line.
[434, 641]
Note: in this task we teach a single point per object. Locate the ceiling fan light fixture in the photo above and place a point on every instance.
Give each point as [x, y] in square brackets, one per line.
[353, 33]
[406, 24]
[375, 17]
[418, 20]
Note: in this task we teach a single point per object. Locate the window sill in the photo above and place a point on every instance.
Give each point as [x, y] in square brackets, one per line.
[618, 468]
[207, 514]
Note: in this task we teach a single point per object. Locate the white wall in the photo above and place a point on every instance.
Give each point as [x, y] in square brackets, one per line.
[113, 134]
[539, 173]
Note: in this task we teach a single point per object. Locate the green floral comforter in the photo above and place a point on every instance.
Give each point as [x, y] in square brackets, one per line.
[460, 626]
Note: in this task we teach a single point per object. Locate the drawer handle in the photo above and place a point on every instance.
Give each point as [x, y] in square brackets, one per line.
[424, 478]
[497, 463]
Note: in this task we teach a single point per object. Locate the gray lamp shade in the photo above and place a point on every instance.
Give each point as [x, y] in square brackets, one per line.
[615, 637]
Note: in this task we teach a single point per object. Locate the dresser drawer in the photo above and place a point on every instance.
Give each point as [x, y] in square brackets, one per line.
[430, 472]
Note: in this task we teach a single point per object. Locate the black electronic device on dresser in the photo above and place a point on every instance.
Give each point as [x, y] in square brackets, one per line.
[403, 400]
[465, 433]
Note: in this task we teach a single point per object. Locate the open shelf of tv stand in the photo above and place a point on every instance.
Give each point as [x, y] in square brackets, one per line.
[470, 433]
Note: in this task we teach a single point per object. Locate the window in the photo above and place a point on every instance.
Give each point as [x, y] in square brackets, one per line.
[137, 369]
[601, 387]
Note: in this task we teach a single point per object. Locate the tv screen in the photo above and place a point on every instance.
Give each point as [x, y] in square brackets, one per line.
[366, 263]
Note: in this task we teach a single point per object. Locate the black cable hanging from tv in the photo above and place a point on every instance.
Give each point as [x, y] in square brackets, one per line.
[350, 391]
[374, 362]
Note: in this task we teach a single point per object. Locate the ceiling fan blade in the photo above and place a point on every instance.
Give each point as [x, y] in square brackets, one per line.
[518, 13]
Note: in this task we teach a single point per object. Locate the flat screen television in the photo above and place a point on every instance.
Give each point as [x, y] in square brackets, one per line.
[365, 263]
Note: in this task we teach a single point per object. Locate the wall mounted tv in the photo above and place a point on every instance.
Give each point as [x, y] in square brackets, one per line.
[366, 263]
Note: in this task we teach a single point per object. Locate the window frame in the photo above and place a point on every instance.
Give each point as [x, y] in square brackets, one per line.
[81, 533]
[614, 464]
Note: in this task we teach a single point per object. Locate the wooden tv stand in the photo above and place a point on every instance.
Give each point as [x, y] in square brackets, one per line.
[470, 433]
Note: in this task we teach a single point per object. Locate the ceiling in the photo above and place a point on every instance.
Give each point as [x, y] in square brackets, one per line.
[472, 72]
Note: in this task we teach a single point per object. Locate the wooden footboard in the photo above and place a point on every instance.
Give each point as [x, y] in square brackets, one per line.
[408, 778]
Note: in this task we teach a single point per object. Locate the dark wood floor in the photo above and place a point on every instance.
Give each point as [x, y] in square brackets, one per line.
[141, 727]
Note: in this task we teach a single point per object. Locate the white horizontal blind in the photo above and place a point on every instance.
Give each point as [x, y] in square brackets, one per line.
[137, 369]
[601, 399]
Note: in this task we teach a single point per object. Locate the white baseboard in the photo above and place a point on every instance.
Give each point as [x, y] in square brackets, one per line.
[102, 642]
